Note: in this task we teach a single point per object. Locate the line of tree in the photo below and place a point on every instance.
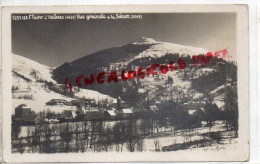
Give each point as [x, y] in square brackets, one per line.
[76, 137]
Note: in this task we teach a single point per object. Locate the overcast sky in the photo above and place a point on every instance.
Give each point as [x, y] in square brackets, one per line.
[53, 42]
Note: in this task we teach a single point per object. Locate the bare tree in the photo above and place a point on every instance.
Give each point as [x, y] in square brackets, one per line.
[157, 145]
[106, 139]
[76, 132]
[86, 132]
[28, 139]
[132, 137]
[66, 136]
[170, 82]
[82, 146]
[92, 137]
[119, 134]
[140, 145]
[36, 139]
[231, 109]
[20, 146]
[131, 142]
[16, 129]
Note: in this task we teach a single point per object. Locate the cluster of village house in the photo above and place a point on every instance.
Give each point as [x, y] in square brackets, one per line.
[117, 110]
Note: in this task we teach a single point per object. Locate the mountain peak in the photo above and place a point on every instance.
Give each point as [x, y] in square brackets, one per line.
[144, 40]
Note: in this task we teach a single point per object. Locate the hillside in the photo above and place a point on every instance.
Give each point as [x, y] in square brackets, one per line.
[30, 87]
[30, 69]
[180, 85]
[118, 58]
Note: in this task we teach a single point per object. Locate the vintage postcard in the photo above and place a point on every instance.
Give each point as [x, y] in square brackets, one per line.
[133, 83]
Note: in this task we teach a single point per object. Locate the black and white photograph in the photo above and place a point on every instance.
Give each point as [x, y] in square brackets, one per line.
[127, 82]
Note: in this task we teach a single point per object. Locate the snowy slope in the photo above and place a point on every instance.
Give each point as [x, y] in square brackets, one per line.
[219, 95]
[87, 93]
[31, 69]
[219, 89]
[37, 91]
[159, 49]
[128, 57]
[39, 95]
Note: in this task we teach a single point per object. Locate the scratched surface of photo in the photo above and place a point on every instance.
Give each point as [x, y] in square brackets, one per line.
[136, 83]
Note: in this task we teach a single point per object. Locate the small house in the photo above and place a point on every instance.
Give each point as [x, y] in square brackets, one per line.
[51, 120]
[32, 119]
[110, 113]
[58, 102]
[93, 115]
[22, 110]
[123, 110]
[68, 115]
[193, 105]
[125, 113]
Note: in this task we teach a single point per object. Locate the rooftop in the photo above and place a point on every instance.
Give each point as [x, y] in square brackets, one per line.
[28, 117]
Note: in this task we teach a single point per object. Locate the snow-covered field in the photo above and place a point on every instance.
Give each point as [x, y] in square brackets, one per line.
[181, 137]
[167, 138]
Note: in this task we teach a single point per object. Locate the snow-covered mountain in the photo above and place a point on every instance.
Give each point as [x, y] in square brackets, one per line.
[159, 49]
[121, 57]
[143, 52]
[29, 86]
